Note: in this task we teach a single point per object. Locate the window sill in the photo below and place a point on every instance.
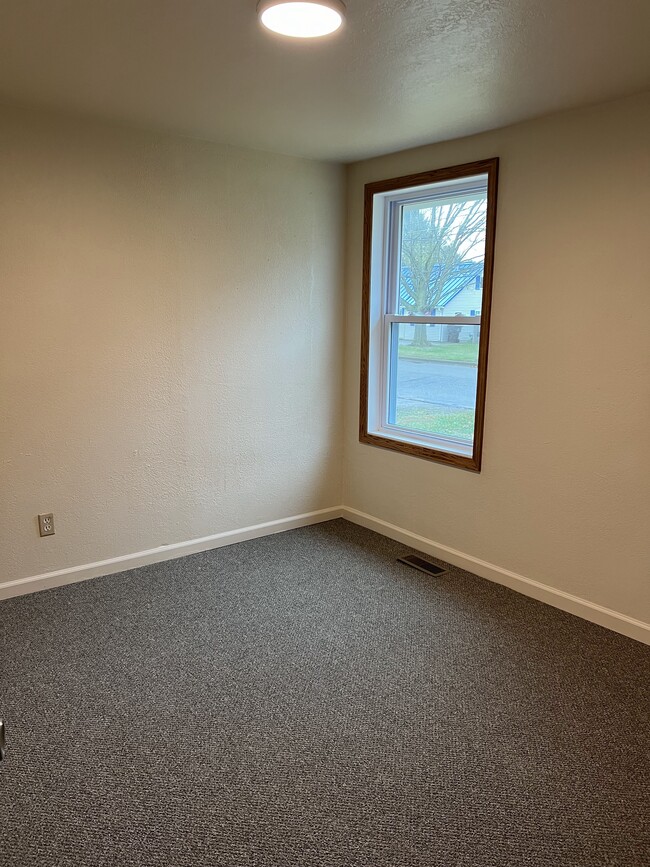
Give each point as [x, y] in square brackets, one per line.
[435, 449]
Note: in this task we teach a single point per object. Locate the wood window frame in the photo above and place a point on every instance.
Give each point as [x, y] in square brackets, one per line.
[489, 167]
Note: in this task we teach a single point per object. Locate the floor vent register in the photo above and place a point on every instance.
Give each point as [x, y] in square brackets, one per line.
[421, 564]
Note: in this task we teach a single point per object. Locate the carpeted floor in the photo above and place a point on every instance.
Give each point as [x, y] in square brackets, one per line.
[303, 700]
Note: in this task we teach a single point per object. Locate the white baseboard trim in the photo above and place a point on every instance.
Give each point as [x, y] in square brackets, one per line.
[165, 552]
[606, 617]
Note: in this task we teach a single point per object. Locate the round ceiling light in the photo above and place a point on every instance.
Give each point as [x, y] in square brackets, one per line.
[303, 20]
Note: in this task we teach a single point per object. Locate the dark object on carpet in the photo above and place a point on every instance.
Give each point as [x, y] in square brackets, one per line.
[302, 700]
[423, 565]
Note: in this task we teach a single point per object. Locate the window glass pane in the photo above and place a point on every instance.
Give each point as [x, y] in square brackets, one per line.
[441, 256]
[432, 381]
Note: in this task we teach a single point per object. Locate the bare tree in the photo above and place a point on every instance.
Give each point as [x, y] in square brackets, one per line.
[435, 241]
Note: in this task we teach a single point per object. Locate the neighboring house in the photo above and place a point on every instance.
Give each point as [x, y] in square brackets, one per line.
[461, 296]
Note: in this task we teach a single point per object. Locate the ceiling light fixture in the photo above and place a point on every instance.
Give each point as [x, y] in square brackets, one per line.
[303, 20]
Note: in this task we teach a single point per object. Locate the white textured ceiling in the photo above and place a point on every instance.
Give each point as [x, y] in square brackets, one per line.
[401, 73]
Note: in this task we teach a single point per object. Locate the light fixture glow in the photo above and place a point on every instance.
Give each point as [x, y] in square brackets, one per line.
[303, 20]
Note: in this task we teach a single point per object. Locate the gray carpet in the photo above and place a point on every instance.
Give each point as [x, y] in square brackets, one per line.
[304, 700]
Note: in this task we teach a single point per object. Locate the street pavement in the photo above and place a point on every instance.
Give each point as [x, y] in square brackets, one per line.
[437, 383]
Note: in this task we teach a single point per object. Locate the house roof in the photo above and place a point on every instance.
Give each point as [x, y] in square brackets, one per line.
[463, 274]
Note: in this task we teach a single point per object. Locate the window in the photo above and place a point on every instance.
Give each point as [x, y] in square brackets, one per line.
[428, 256]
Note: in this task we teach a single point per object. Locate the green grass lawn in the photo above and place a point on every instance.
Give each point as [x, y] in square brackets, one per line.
[467, 352]
[449, 423]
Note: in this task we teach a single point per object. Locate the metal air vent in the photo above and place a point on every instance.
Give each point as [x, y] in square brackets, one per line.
[421, 564]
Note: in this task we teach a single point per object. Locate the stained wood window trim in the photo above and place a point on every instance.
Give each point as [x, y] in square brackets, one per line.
[439, 450]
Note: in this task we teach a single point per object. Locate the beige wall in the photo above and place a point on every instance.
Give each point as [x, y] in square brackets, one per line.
[170, 330]
[170, 349]
[564, 495]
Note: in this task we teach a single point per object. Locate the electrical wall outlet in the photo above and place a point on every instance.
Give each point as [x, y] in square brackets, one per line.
[46, 524]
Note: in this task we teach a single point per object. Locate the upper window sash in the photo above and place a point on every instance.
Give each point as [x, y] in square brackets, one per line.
[452, 192]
